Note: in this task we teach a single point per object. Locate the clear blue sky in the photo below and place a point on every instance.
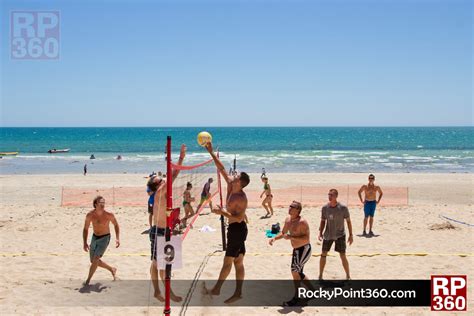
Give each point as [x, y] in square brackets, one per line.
[240, 63]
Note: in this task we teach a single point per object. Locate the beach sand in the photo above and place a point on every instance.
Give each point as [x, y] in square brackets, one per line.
[43, 265]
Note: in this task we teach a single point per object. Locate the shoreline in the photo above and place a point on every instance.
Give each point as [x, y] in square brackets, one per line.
[270, 173]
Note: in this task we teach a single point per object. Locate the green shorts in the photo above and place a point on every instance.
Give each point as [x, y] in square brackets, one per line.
[98, 245]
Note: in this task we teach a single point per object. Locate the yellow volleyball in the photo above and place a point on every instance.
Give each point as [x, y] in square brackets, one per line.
[204, 138]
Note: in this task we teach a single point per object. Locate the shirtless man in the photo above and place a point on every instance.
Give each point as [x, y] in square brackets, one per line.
[157, 185]
[100, 220]
[267, 201]
[296, 230]
[236, 231]
[370, 202]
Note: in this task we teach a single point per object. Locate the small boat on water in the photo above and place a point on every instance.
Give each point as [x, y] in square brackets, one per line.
[57, 151]
[9, 153]
[92, 156]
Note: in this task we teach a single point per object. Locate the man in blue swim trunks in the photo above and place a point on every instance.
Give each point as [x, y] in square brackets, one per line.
[370, 202]
[100, 220]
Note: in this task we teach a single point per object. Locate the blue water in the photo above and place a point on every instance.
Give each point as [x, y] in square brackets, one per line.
[306, 149]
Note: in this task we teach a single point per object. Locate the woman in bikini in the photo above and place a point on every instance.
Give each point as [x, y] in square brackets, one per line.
[187, 199]
[267, 201]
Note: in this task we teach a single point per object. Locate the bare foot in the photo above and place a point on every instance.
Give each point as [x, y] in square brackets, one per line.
[175, 298]
[233, 298]
[114, 273]
[206, 291]
[159, 297]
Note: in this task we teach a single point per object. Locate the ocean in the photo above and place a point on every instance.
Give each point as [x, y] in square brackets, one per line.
[277, 149]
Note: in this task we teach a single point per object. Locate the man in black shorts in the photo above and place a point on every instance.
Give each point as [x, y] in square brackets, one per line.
[237, 230]
[333, 215]
[296, 230]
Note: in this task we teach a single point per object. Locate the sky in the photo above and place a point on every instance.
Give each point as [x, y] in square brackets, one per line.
[245, 63]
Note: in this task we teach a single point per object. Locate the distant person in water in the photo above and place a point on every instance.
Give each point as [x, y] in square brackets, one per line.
[267, 201]
[370, 202]
[100, 220]
[85, 169]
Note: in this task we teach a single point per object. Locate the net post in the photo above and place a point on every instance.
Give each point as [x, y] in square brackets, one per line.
[224, 242]
[408, 201]
[348, 189]
[169, 206]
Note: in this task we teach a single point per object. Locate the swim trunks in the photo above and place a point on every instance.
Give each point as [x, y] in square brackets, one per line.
[98, 245]
[300, 256]
[340, 244]
[203, 199]
[151, 202]
[155, 232]
[236, 236]
[369, 208]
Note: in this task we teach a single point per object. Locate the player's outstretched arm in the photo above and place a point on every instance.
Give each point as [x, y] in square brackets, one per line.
[218, 163]
[182, 154]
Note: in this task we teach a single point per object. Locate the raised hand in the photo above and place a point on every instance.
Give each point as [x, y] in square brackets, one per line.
[209, 147]
[182, 153]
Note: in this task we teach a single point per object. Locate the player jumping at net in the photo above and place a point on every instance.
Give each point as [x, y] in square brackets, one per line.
[236, 231]
[158, 186]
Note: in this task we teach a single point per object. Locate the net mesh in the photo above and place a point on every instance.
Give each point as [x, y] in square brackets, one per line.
[311, 196]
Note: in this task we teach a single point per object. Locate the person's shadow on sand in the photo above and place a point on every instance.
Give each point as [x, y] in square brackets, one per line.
[98, 287]
[290, 309]
[368, 236]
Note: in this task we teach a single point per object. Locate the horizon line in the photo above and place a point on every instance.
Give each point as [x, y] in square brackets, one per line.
[248, 126]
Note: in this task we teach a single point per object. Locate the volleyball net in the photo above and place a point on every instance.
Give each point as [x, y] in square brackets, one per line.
[309, 195]
[189, 192]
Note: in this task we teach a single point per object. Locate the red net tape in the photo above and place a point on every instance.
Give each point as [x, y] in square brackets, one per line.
[197, 215]
[178, 167]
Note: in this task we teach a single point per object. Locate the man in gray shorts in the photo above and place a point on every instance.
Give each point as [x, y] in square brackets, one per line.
[333, 215]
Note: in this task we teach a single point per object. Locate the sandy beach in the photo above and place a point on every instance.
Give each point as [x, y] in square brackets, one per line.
[43, 264]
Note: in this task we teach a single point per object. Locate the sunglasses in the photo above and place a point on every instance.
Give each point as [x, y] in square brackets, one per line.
[371, 178]
[292, 205]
